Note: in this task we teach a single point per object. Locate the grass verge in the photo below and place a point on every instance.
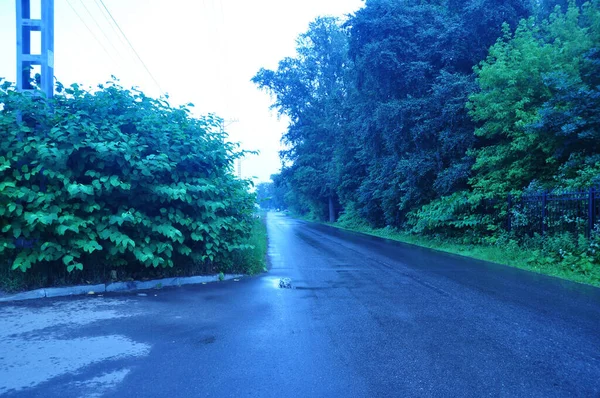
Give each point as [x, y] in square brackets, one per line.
[253, 261]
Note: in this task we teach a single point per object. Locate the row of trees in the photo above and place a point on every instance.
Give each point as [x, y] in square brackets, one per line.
[409, 108]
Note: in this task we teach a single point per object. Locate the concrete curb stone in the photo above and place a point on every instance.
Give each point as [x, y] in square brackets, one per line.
[120, 286]
[115, 287]
[198, 279]
[32, 294]
[157, 284]
[206, 279]
[74, 290]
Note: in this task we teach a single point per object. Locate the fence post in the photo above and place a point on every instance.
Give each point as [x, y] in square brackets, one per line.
[591, 211]
[544, 211]
[509, 204]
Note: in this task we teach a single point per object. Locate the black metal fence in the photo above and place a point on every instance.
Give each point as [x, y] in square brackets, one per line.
[554, 212]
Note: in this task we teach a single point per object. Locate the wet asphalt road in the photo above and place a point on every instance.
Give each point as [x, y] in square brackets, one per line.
[366, 318]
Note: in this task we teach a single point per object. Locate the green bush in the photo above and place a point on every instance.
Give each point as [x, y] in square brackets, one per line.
[351, 218]
[111, 177]
[253, 260]
[568, 253]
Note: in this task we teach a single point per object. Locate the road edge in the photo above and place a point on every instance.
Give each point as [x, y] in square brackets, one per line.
[128, 286]
[450, 253]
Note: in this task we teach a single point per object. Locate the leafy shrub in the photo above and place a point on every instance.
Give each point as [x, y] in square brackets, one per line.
[351, 218]
[462, 213]
[112, 177]
[566, 254]
[252, 260]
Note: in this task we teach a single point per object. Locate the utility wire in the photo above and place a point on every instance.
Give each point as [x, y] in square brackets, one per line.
[99, 27]
[133, 49]
[117, 34]
[89, 30]
[109, 23]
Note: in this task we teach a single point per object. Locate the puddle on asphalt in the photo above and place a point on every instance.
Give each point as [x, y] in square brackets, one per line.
[36, 345]
[98, 386]
[22, 320]
[286, 283]
[272, 282]
[36, 361]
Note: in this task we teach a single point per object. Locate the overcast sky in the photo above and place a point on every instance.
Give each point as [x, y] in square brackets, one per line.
[199, 51]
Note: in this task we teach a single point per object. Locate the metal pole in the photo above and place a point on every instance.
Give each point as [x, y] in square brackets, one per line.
[48, 47]
[23, 44]
[509, 205]
[544, 211]
[591, 211]
[25, 59]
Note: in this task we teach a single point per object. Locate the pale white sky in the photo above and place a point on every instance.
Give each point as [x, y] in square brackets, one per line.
[199, 51]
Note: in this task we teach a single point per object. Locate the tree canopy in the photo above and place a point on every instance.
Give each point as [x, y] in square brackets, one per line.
[409, 106]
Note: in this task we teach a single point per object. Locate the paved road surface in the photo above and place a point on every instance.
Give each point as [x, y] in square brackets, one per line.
[366, 318]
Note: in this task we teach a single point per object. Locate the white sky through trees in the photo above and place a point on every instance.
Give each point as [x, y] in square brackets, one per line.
[199, 51]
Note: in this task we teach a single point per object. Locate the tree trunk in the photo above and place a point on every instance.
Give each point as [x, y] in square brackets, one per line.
[331, 210]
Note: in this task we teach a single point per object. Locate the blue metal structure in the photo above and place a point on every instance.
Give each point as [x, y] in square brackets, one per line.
[25, 59]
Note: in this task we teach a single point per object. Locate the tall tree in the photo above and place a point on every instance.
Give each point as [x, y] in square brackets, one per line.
[413, 66]
[310, 88]
[539, 104]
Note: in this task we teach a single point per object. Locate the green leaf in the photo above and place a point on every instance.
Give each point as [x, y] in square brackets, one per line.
[61, 229]
[73, 189]
[6, 184]
[31, 218]
[92, 246]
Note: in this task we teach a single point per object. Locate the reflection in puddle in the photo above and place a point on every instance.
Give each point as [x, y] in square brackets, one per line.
[272, 282]
[41, 360]
[36, 344]
[98, 386]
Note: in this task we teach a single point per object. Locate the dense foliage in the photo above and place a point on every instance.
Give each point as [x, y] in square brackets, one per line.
[414, 114]
[539, 104]
[113, 178]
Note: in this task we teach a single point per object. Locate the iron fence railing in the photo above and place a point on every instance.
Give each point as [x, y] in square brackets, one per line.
[554, 212]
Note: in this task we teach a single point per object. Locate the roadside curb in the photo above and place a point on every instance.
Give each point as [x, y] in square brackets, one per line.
[128, 286]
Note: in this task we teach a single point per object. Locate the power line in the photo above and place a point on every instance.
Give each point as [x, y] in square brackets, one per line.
[109, 23]
[99, 27]
[115, 31]
[131, 46]
[89, 30]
